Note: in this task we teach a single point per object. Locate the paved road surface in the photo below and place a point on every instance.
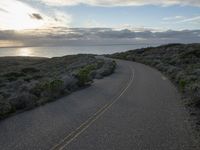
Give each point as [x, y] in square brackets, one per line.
[136, 108]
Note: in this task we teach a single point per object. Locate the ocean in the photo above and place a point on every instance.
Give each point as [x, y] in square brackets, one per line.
[68, 50]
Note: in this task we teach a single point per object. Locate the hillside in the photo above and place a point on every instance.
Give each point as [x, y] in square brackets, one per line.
[27, 82]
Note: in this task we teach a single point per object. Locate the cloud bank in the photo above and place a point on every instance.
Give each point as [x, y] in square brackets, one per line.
[110, 3]
[94, 36]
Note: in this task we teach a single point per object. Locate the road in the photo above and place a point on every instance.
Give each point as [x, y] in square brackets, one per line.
[136, 108]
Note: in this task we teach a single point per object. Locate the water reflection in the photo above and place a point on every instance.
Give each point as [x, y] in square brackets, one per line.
[25, 52]
[67, 50]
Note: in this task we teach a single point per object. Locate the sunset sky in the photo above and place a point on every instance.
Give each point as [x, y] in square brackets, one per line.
[65, 22]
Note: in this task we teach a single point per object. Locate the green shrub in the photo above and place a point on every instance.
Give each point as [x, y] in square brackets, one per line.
[56, 85]
[50, 87]
[182, 84]
[83, 75]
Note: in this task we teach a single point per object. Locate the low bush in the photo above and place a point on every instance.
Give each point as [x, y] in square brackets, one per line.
[182, 84]
[5, 107]
[23, 101]
[13, 76]
[83, 75]
[30, 70]
[32, 82]
[50, 87]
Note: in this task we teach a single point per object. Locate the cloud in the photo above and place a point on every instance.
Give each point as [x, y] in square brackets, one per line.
[17, 15]
[192, 19]
[63, 18]
[36, 16]
[173, 18]
[60, 36]
[110, 3]
[116, 34]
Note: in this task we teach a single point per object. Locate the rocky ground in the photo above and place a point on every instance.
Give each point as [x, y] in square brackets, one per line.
[27, 82]
[180, 62]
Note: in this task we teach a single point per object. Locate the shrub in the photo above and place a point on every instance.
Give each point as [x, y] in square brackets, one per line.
[182, 84]
[30, 70]
[5, 107]
[56, 85]
[100, 63]
[23, 101]
[83, 75]
[49, 87]
[13, 76]
[29, 78]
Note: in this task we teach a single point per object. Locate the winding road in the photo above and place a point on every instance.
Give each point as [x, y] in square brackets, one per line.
[136, 108]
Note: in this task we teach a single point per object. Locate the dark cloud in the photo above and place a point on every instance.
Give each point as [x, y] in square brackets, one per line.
[117, 34]
[66, 36]
[8, 35]
[36, 16]
[184, 34]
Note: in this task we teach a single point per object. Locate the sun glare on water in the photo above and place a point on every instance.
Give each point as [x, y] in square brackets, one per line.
[25, 52]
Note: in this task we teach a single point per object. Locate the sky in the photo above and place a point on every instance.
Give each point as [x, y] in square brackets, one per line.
[90, 22]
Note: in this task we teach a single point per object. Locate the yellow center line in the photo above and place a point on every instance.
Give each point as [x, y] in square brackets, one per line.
[74, 134]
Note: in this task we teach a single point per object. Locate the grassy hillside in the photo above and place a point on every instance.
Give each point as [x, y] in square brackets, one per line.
[27, 82]
[180, 62]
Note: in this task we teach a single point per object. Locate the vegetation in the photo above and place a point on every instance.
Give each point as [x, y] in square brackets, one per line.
[182, 84]
[12, 76]
[180, 62]
[83, 75]
[27, 82]
[29, 70]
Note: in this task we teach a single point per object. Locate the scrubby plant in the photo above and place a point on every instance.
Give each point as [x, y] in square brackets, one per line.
[5, 107]
[83, 75]
[99, 64]
[30, 70]
[51, 87]
[56, 85]
[27, 83]
[13, 76]
[182, 84]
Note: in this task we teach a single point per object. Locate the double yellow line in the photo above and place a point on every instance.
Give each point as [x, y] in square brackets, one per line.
[74, 134]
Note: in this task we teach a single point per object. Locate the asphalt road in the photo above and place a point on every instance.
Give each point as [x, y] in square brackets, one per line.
[136, 108]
